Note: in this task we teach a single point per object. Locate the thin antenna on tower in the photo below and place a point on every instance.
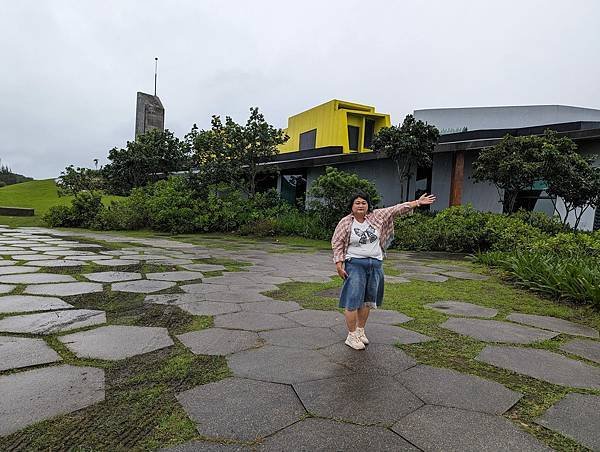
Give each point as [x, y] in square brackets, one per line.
[155, 73]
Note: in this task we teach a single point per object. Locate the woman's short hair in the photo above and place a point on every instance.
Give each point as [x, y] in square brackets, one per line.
[363, 195]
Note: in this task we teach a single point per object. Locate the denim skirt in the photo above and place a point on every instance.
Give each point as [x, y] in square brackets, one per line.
[364, 284]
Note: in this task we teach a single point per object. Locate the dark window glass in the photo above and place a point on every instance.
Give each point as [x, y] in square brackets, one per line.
[308, 140]
[369, 131]
[353, 133]
[293, 188]
[597, 219]
[423, 183]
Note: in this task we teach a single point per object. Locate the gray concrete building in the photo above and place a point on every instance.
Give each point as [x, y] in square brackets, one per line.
[149, 113]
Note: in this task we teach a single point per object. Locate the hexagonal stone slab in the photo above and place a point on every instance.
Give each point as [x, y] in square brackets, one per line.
[175, 276]
[52, 322]
[142, 286]
[584, 348]
[388, 317]
[116, 342]
[204, 267]
[36, 278]
[450, 388]
[209, 307]
[316, 318]
[301, 337]
[115, 262]
[575, 416]
[271, 307]
[283, 365]
[217, 341]
[32, 396]
[554, 324]
[378, 359]
[235, 296]
[253, 321]
[16, 352]
[466, 275]
[18, 269]
[63, 289]
[27, 303]
[31, 257]
[436, 428]
[314, 434]
[429, 277]
[57, 263]
[109, 277]
[241, 409]
[495, 331]
[379, 333]
[452, 307]
[543, 365]
[6, 288]
[359, 398]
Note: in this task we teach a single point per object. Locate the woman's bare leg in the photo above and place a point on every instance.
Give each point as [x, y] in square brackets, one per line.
[362, 316]
[351, 319]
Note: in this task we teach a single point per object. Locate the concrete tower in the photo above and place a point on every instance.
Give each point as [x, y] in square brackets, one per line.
[149, 113]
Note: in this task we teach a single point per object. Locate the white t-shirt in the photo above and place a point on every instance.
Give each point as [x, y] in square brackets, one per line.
[364, 241]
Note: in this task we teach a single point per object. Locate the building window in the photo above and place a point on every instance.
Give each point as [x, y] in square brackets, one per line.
[597, 219]
[353, 134]
[423, 183]
[293, 187]
[308, 140]
[369, 132]
[536, 199]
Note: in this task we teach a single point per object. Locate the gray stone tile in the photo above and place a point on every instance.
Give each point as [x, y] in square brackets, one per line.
[377, 359]
[7, 263]
[52, 322]
[217, 341]
[57, 263]
[543, 365]
[271, 307]
[415, 268]
[452, 307]
[360, 398]
[170, 261]
[175, 276]
[576, 416]
[17, 352]
[204, 267]
[6, 288]
[581, 347]
[429, 277]
[35, 395]
[436, 428]
[35, 278]
[18, 269]
[466, 275]
[63, 289]
[495, 331]
[201, 288]
[316, 318]
[301, 337]
[114, 342]
[236, 296]
[241, 409]
[174, 298]
[115, 262]
[89, 258]
[328, 435]
[107, 277]
[388, 317]
[396, 280]
[283, 365]
[142, 286]
[209, 307]
[253, 321]
[450, 388]
[554, 324]
[32, 257]
[69, 253]
[379, 333]
[30, 303]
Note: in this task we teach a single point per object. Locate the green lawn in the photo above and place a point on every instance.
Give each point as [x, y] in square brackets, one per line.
[39, 195]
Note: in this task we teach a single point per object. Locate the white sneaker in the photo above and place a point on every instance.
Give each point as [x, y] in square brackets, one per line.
[360, 332]
[353, 341]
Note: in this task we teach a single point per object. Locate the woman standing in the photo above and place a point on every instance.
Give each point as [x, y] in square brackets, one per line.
[358, 243]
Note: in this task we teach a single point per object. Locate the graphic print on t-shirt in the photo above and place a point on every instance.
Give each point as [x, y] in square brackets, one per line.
[366, 235]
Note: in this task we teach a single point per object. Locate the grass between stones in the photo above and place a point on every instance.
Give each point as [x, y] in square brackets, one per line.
[457, 352]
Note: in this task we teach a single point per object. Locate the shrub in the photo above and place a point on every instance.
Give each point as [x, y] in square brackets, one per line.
[172, 206]
[58, 216]
[82, 212]
[568, 244]
[131, 213]
[330, 193]
[546, 224]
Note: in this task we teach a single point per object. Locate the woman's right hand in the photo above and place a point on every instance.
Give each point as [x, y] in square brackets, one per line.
[340, 270]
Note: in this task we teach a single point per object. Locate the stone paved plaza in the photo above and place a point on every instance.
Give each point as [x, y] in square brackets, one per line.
[294, 385]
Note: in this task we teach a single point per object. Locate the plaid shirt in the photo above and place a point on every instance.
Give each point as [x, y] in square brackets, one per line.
[380, 219]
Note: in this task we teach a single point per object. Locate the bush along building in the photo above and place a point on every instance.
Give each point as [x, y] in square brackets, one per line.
[339, 134]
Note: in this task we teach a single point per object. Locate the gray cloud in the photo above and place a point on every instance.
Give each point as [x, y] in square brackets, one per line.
[70, 69]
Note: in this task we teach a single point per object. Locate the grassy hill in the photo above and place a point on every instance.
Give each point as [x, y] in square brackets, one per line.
[38, 194]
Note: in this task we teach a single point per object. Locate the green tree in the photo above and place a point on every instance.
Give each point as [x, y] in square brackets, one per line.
[152, 156]
[74, 180]
[329, 195]
[512, 165]
[409, 146]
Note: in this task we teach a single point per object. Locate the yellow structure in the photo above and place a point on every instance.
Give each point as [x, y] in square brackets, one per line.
[334, 123]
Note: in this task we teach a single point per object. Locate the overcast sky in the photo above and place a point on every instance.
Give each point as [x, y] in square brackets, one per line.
[70, 70]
